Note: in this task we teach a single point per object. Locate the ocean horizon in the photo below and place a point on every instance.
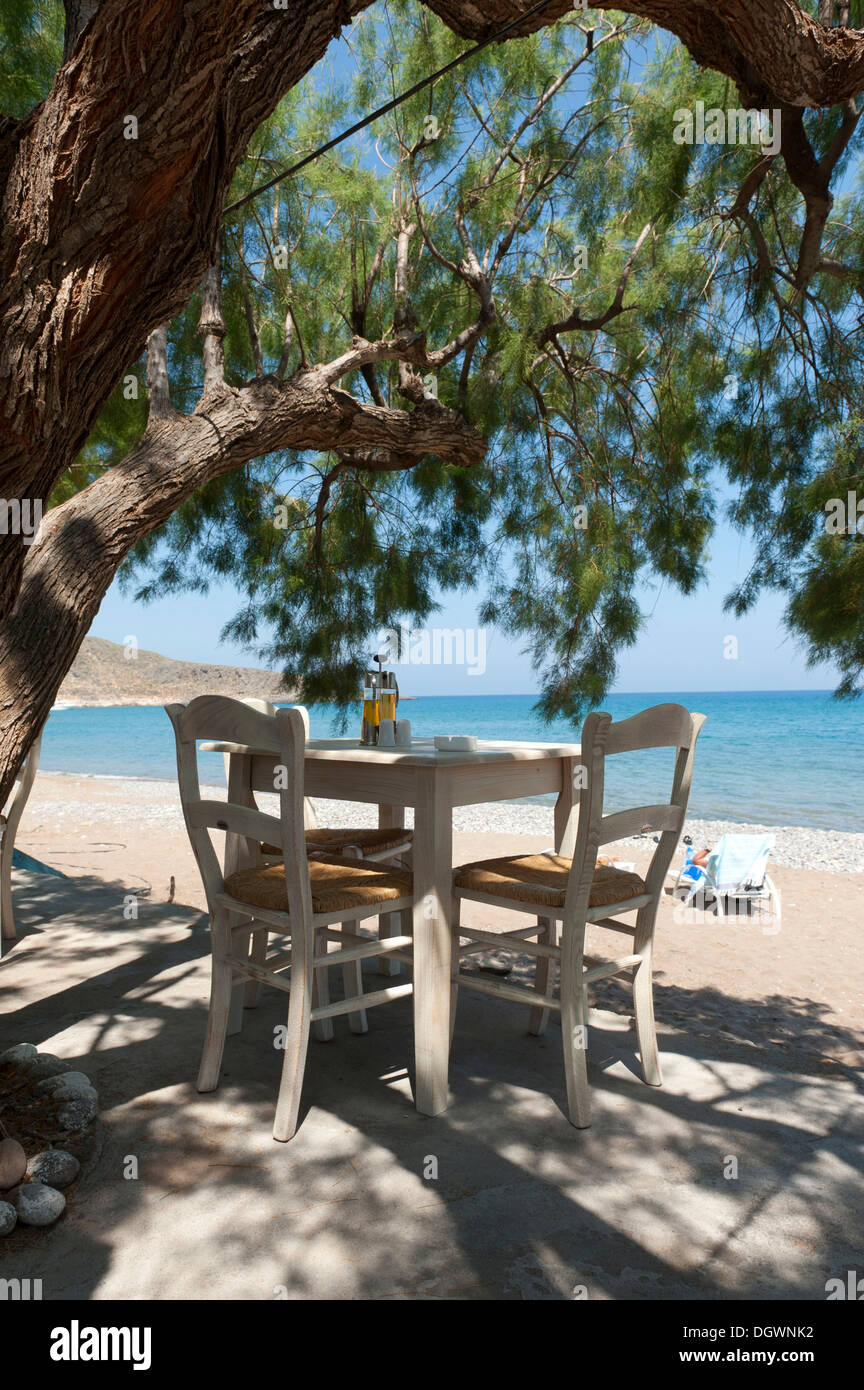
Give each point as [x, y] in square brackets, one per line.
[764, 757]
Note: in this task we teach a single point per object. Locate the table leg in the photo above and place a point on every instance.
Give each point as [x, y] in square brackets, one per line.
[567, 807]
[433, 856]
[388, 922]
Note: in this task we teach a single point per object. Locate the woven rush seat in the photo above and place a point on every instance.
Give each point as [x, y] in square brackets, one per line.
[336, 841]
[542, 879]
[337, 884]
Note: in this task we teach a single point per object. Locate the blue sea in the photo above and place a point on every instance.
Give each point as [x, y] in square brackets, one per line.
[767, 757]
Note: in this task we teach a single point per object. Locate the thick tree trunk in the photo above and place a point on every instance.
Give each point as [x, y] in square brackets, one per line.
[83, 541]
[111, 205]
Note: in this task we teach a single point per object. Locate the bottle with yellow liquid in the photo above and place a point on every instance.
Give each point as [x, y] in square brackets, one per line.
[371, 708]
[389, 696]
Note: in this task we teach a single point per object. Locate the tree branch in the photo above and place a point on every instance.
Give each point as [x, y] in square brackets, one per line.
[287, 344]
[158, 385]
[409, 346]
[78, 16]
[254, 340]
[84, 540]
[211, 325]
[772, 46]
[812, 178]
[598, 321]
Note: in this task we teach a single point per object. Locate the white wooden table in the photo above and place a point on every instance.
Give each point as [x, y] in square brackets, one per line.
[433, 783]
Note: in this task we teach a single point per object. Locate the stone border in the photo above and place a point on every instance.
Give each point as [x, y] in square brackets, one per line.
[30, 1189]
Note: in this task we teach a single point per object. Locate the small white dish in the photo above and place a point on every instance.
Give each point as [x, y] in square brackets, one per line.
[455, 743]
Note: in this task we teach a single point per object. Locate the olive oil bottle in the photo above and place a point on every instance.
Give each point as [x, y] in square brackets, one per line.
[371, 708]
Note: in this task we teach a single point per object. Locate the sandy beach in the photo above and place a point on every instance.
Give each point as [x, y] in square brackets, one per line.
[799, 987]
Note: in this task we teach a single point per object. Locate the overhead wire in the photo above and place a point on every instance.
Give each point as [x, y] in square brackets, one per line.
[387, 107]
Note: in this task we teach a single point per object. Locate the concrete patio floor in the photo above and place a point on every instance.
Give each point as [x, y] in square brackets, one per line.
[523, 1205]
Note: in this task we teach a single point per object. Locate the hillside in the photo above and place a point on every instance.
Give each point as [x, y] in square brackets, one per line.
[104, 675]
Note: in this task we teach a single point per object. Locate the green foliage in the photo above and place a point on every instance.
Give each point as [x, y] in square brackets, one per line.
[629, 428]
[31, 47]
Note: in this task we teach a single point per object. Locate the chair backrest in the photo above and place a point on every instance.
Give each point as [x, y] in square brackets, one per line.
[662, 726]
[267, 707]
[22, 786]
[218, 718]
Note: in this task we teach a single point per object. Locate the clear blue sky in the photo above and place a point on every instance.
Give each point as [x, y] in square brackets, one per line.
[681, 647]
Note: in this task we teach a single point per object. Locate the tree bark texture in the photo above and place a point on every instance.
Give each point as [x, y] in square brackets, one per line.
[83, 542]
[112, 201]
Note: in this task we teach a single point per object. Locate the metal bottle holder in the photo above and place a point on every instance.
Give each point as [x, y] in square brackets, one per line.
[380, 701]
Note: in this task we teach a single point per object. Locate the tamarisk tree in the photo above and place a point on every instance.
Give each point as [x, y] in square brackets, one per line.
[424, 397]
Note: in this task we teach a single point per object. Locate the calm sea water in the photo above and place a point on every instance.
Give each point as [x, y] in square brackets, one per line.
[777, 758]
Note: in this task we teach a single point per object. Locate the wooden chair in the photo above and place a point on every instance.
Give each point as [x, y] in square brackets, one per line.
[384, 845]
[8, 828]
[314, 900]
[367, 843]
[576, 891]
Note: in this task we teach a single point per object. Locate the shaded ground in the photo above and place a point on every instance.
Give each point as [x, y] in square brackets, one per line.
[124, 832]
[187, 1196]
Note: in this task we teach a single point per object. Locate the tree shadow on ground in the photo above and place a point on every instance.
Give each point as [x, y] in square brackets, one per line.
[497, 1198]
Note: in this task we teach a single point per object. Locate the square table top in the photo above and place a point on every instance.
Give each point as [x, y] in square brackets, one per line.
[422, 752]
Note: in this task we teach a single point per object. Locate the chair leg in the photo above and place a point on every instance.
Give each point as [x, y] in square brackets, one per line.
[388, 925]
[575, 1036]
[352, 983]
[220, 1003]
[643, 1007]
[320, 990]
[7, 921]
[296, 1048]
[574, 1031]
[543, 975]
[257, 954]
[405, 923]
[239, 942]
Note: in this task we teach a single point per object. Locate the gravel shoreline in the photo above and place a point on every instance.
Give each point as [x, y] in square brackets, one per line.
[157, 803]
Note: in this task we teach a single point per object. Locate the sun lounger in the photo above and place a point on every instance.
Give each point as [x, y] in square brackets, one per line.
[735, 879]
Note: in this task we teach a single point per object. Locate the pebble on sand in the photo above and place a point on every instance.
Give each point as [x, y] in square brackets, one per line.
[39, 1205]
[44, 1064]
[13, 1163]
[54, 1167]
[69, 1083]
[8, 1218]
[22, 1052]
[77, 1114]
